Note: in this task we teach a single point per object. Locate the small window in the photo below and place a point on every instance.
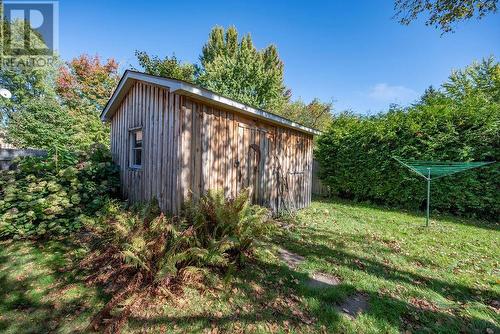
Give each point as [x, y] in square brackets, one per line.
[136, 148]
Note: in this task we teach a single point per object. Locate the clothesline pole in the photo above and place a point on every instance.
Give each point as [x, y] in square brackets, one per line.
[428, 195]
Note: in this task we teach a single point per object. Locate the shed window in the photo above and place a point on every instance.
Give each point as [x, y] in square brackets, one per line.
[136, 148]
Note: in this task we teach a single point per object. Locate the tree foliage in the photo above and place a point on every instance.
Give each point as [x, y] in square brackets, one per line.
[460, 122]
[169, 67]
[84, 86]
[26, 82]
[33, 116]
[479, 81]
[235, 68]
[316, 114]
[85, 82]
[443, 14]
[58, 105]
[41, 124]
[231, 67]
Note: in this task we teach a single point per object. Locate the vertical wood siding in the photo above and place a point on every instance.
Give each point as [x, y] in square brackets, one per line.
[190, 147]
[318, 188]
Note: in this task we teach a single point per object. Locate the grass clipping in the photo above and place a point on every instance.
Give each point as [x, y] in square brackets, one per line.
[140, 255]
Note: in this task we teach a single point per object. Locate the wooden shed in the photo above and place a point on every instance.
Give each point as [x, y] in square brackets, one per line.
[172, 140]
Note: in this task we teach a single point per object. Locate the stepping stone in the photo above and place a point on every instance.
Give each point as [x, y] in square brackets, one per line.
[354, 305]
[322, 281]
[292, 260]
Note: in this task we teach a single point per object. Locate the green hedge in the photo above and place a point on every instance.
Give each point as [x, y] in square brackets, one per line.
[355, 157]
[52, 196]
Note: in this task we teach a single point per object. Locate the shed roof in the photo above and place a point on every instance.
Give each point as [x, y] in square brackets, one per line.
[188, 89]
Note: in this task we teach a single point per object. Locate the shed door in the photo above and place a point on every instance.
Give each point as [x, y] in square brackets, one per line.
[255, 163]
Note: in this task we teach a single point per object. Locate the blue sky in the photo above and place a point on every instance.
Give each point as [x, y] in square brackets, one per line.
[349, 52]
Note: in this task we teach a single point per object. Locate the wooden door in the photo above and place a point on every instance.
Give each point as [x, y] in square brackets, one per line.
[254, 165]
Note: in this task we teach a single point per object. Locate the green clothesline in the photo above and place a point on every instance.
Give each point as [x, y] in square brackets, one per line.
[431, 170]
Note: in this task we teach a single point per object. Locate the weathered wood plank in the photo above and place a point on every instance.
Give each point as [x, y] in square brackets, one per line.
[204, 133]
[197, 119]
[177, 155]
[186, 149]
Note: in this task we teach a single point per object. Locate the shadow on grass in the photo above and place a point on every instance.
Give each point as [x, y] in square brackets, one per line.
[384, 310]
[389, 308]
[35, 300]
[275, 304]
[340, 258]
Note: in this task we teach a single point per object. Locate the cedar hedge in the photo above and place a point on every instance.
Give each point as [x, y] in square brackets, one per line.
[355, 155]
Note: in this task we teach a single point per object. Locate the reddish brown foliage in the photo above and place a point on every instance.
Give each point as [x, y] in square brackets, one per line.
[86, 81]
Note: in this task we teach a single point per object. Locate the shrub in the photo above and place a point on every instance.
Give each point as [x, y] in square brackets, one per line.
[149, 252]
[50, 197]
[459, 122]
[356, 153]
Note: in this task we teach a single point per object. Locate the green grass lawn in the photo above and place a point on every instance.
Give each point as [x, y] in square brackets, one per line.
[40, 291]
[444, 278]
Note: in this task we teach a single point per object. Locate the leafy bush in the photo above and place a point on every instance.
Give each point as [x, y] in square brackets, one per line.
[459, 123]
[149, 252]
[48, 196]
[41, 123]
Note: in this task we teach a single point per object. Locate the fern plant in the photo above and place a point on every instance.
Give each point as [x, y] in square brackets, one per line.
[235, 222]
[214, 234]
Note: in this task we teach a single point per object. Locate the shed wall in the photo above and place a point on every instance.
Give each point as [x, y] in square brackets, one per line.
[190, 147]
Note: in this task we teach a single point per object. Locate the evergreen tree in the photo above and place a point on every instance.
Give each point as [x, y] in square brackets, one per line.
[240, 71]
[432, 96]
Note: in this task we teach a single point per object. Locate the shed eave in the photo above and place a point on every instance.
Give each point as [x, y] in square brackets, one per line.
[207, 96]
